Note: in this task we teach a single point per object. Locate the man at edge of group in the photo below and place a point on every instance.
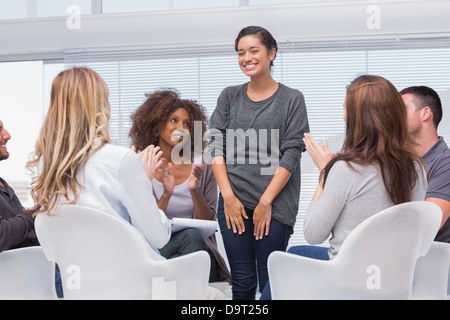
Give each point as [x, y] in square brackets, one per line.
[424, 111]
[16, 223]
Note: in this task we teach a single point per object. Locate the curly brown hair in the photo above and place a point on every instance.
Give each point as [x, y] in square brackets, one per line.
[152, 115]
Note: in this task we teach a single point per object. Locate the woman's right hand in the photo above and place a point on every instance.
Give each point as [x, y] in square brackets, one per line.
[234, 211]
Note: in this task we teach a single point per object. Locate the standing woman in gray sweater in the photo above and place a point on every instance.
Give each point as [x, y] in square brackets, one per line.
[255, 150]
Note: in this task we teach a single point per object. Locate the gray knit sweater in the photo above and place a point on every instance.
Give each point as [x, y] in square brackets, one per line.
[256, 138]
[350, 196]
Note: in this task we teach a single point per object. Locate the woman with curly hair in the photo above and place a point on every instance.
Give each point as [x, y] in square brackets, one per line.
[182, 189]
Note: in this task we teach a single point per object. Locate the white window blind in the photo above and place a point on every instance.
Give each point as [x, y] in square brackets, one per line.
[320, 69]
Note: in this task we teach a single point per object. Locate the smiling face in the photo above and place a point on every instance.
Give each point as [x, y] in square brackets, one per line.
[254, 58]
[176, 128]
[4, 138]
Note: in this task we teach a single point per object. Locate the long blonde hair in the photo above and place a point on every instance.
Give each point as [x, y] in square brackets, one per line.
[75, 125]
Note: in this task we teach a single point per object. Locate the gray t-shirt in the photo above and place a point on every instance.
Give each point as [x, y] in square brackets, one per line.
[350, 196]
[258, 137]
[437, 161]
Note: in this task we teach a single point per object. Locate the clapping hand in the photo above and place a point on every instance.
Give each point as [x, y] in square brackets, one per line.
[151, 157]
[320, 154]
[194, 178]
[167, 177]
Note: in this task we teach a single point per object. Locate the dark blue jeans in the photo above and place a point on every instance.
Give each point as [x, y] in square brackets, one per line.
[247, 256]
[183, 242]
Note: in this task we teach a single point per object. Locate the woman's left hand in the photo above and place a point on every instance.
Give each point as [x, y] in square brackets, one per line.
[262, 215]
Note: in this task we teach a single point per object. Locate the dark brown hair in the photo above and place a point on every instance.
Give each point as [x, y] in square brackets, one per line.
[151, 116]
[377, 133]
[426, 97]
[265, 36]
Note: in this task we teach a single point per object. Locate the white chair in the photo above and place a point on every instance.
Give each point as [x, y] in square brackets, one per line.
[448, 286]
[376, 261]
[223, 286]
[221, 247]
[431, 274]
[104, 257]
[26, 274]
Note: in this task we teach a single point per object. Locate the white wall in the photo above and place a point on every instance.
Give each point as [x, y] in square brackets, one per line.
[21, 93]
[49, 37]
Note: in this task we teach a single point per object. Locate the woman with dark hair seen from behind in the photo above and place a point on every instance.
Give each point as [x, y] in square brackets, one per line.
[259, 196]
[182, 188]
[377, 162]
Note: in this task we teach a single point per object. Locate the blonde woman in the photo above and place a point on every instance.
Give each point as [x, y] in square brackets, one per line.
[76, 164]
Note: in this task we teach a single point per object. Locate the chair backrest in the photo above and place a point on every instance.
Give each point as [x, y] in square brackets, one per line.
[380, 254]
[376, 260]
[104, 257]
[26, 274]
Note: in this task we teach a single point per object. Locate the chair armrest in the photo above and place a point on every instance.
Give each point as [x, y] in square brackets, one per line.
[294, 277]
[431, 273]
[190, 272]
